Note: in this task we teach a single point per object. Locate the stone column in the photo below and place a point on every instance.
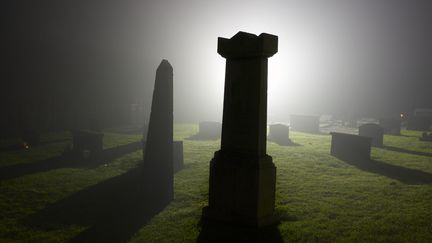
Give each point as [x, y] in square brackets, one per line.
[242, 176]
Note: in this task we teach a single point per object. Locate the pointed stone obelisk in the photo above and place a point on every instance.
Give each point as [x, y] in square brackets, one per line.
[242, 176]
[158, 153]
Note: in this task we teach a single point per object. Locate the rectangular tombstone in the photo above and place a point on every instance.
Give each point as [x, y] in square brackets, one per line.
[303, 123]
[279, 133]
[349, 147]
[242, 176]
[158, 151]
[391, 125]
[374, 131]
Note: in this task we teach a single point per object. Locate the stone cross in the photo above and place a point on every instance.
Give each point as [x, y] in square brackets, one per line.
[242, 175]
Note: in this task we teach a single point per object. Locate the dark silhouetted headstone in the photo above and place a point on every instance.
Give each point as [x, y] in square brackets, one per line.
[419, 123]
[391, 125]
[350, 147]
[208, 130]
[242, 176]
[279, 133]
[178, 156]
[374, 131]
[158, 154]
[304, 123]
[86, 142]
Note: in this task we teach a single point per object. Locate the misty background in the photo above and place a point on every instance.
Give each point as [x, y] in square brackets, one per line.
[66, 63]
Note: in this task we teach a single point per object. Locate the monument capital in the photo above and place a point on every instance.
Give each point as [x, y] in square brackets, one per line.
[247, 45]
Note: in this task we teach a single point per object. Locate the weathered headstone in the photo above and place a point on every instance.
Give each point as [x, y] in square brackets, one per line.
[242, 176]
[391, 125]
[279, 133]
[303, 123]
[86, 142]
[158, 154]
[208, 130]
[374, 131]
[419, 123]
[350, 147]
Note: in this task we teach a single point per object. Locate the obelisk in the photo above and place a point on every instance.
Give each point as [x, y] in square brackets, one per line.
[158, 150]
[242, 176]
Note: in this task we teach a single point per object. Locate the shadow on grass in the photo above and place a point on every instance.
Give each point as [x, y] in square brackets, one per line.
[288, 143]
[114, 209]
[216, 232]
[58, 162]
[402, 174]
[401, 150]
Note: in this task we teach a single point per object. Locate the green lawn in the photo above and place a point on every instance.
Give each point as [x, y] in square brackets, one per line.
[319, 198]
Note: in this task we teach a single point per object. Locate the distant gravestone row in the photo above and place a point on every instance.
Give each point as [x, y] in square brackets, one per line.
[391, 125]
[303, 123]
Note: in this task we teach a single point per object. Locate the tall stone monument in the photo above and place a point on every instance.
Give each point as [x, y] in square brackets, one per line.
[242, 176]
[158, 151]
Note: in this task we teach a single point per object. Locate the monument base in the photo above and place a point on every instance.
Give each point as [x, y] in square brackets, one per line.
[242, 189]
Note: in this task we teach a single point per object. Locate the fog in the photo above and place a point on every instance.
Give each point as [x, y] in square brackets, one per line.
[68, 62]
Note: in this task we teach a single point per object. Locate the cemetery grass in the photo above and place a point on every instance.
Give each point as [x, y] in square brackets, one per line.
[318, 197]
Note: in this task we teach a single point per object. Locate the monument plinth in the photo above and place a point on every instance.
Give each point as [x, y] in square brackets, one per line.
[242, 176]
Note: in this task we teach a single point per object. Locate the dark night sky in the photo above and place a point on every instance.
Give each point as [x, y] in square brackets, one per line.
[70, 61]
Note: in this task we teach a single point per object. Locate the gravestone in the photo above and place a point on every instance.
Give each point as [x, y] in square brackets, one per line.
[303, 123]
[279, 133]
[208, 130]
[391, 125]
[158, 149]
[419, 123]
[350, 147]
[86, 142]
[242, 175]
[374, 131]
